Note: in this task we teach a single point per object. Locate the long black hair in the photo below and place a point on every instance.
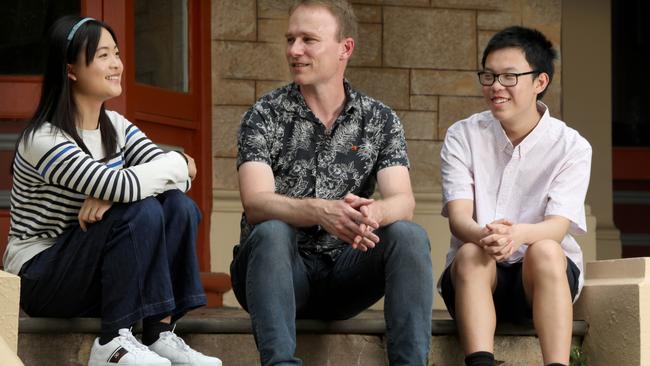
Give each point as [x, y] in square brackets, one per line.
[56, 104]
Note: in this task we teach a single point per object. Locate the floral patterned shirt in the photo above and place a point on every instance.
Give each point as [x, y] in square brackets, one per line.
[309, 160]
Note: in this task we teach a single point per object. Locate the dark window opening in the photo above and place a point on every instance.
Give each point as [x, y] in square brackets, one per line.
[23, 25]
[631, 73]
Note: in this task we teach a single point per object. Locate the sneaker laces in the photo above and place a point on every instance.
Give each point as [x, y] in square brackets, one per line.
[128, 341]
[178, 341]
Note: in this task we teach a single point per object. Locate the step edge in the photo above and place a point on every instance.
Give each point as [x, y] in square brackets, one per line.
[242, 326]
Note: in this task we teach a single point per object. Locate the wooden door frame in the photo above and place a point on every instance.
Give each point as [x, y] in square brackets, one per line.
[116, 14]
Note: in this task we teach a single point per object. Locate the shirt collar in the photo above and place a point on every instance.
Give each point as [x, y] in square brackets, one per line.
[540, 130]
[352, 98]
[297, 100]
[529, 141]
[502, 139]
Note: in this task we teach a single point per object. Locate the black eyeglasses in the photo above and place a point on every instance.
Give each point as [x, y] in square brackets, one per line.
[487, 78]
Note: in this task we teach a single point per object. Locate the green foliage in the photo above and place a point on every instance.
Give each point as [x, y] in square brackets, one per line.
[577, 357]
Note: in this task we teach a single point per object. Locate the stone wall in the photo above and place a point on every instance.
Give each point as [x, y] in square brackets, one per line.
[417, 56]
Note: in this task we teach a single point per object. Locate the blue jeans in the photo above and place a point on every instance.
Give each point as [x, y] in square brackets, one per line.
[138, 262]
[276, 284]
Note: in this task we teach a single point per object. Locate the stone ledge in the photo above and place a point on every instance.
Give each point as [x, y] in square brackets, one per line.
[237, 321]
[226, 333]
[313, 349]
[9, 308]
[615, 301]
[7, 355]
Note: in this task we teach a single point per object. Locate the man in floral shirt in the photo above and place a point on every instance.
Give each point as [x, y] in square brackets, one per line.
[313, 242]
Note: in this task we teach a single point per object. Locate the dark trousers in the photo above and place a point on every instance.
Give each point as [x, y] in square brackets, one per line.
[276, 284]
[138, 262]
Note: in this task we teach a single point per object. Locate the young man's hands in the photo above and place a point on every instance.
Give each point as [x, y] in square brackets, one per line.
[505, 237]
[502, 238]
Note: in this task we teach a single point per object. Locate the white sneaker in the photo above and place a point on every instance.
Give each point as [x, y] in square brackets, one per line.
[173, 348]
[124, 350]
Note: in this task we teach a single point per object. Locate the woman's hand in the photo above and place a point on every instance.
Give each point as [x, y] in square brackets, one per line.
[191, 167]
[92, 210]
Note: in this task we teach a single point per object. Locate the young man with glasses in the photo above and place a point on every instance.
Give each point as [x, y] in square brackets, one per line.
[514, 184]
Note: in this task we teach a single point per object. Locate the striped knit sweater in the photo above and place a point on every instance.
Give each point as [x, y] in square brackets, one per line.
[53, 176]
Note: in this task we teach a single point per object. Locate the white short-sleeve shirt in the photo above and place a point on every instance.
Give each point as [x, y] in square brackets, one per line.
[546, 174]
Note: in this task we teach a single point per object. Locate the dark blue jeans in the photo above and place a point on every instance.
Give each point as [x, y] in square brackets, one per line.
[276, 285]
[138, 262]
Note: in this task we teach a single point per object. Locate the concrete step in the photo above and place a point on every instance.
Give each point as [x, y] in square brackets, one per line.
[226, 333]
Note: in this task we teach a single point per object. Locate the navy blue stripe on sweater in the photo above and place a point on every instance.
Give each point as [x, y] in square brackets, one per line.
[53, 178]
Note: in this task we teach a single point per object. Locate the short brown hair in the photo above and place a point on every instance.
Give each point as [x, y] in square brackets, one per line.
[342, 12]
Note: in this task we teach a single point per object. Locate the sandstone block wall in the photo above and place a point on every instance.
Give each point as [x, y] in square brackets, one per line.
[418, 56]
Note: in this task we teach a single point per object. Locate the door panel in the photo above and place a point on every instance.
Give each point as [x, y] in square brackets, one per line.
[180, 119]
[19, 96]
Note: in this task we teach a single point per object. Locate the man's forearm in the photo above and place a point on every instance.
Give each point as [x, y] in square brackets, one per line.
[395, 208]
[266, 206]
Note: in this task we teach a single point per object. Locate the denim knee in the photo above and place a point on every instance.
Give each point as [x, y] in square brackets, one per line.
[410, 233]
[175, 202]
[146, 214]
[274, 236]
[268, 249]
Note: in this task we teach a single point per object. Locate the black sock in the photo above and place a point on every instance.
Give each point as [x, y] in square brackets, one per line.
[556, 364]
[107, 335]
[151, 331]
[480, 359]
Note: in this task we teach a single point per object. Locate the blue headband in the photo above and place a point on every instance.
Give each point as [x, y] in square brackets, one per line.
[76, 27]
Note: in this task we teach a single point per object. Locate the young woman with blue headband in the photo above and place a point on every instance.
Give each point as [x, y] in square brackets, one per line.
[100, 223]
